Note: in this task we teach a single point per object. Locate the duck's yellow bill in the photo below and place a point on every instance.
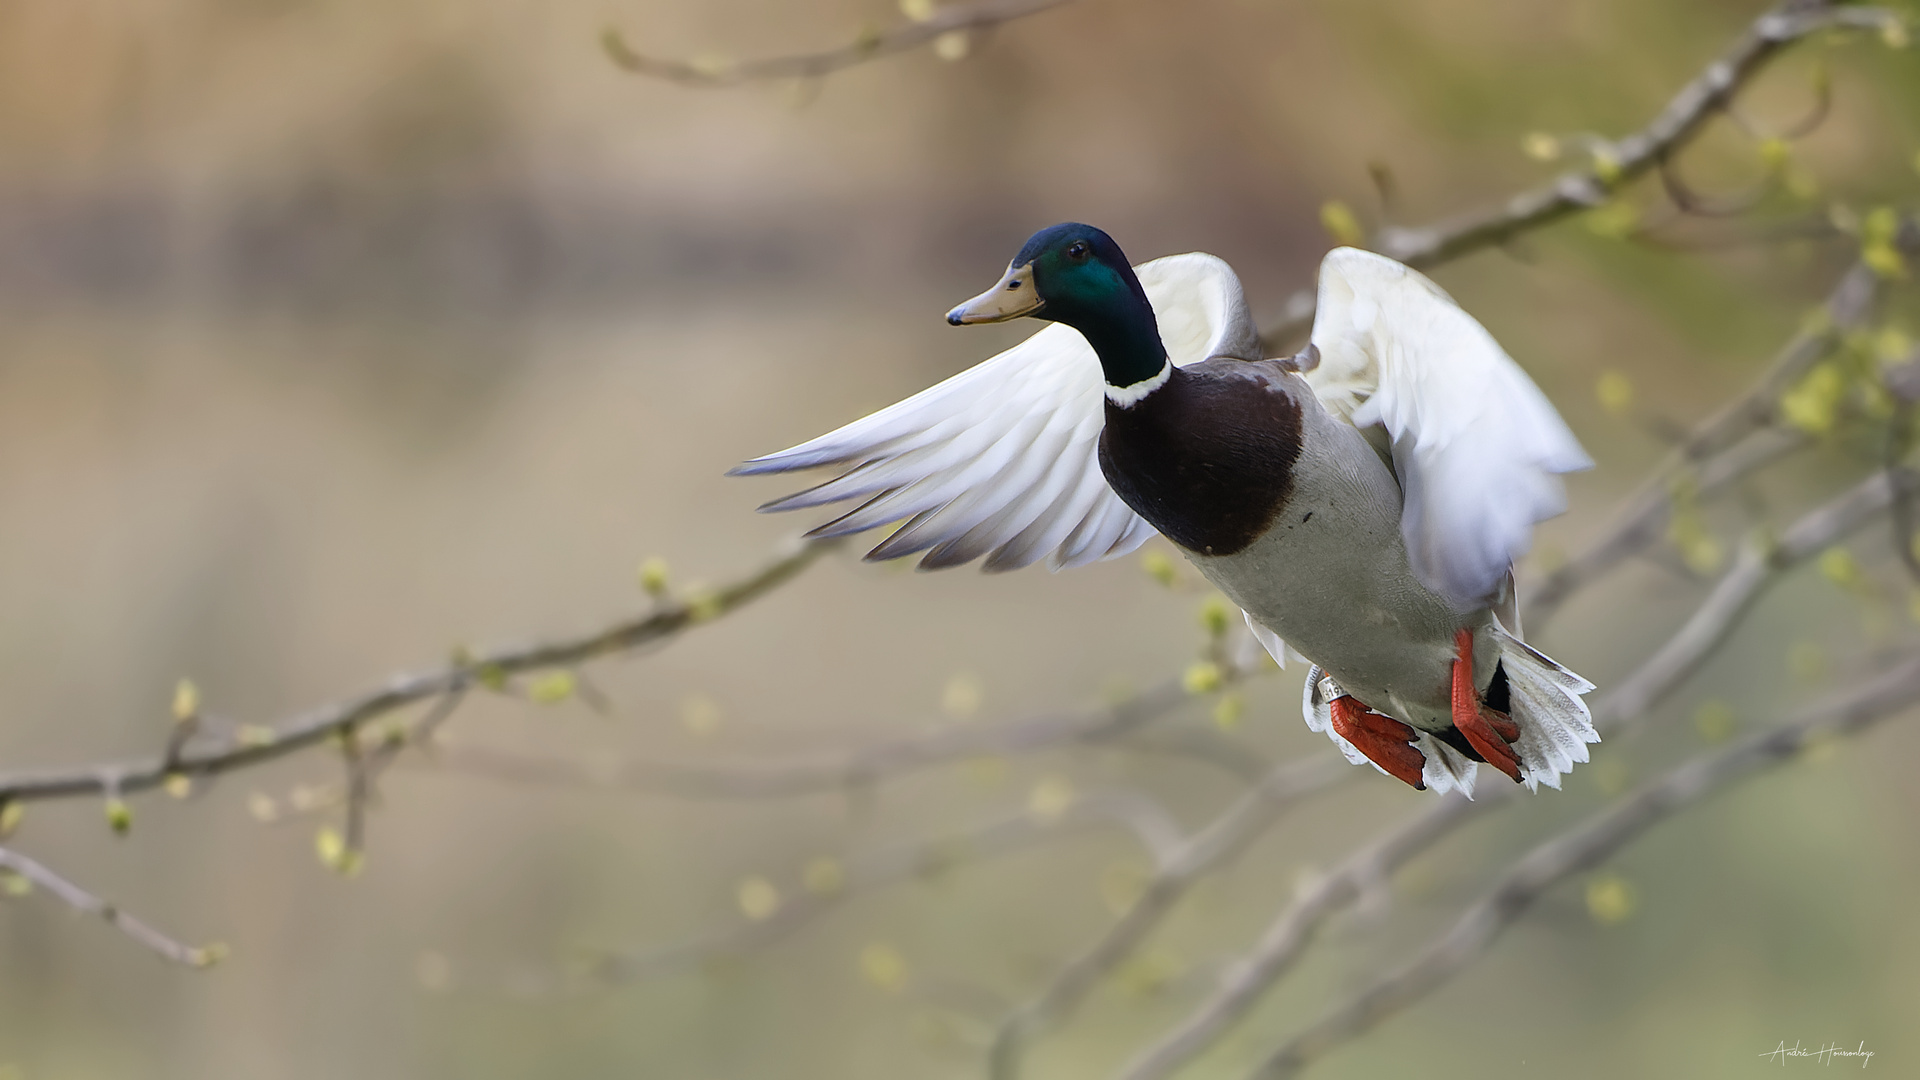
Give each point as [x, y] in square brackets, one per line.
[1013, 296]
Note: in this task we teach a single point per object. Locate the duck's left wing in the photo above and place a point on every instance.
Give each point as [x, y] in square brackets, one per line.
[1477, 447]
[1000, 460]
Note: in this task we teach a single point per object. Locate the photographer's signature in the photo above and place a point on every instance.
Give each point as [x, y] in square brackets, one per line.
[1825, 1054]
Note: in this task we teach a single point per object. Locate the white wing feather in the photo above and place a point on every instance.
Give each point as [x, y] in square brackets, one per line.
[1000, 460]
[1476, 445]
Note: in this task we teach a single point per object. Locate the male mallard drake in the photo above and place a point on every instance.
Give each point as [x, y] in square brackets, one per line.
[1362, 502]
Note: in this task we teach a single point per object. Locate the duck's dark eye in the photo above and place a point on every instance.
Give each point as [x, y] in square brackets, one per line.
[1077, 250]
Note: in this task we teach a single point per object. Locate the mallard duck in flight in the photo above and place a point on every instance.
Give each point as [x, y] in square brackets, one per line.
[1362, 502]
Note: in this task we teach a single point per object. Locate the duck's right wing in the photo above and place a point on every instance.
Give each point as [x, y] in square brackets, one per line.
[1476, 446]
[1000, 460]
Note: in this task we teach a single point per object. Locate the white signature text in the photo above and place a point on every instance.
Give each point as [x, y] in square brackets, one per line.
[1825, 1054]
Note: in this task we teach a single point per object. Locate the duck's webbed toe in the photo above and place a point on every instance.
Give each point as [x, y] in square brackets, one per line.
[1424, 760]
[1386, 742]
[1490, 732]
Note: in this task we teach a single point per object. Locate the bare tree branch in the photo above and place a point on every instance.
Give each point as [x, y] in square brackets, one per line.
[1583, 847]
[208, 754]
[1759, 564]
[87, 903]
[1205, 745]
[1285, 941]
[1157, 834]
[1222, 840]
[1249, 979]
[1181, 861]
[1616, 164]
[1684, 116]
[1903, 382]
[1287, 937]
[1119, 724]
[807, 774]
[1642, 522]
[869, 45]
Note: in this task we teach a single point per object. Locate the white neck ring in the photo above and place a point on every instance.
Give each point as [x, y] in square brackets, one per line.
[1128, 396]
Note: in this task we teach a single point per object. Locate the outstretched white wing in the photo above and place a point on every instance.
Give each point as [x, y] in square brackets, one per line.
[1476, 445]
[999, 460]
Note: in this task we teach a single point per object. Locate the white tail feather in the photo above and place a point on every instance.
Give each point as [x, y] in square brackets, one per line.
[1446, 768]
[1545, 701]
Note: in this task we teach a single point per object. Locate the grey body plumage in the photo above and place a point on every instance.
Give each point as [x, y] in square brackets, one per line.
[1296, 518]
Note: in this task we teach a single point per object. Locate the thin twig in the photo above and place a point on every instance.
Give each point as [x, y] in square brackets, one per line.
[1179, 860]
[1142, 817]
[1903, 382]
[1248, 980]
[869, 45]
[806, 774]
[1114, 724]
[1692, 203]
[422, 734]
[1814, 225]
[359, 789]
[1759, 564]
[207, 756]
[1806, 125]
[1647, 511]
[1582, 847]
[87, 903]
[1219, 842]
[1685, 115]
[1202, 745]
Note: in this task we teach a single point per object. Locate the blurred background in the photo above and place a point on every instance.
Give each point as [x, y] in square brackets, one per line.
[333, 336]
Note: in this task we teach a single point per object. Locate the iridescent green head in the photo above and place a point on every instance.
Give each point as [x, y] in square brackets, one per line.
[1075, 274]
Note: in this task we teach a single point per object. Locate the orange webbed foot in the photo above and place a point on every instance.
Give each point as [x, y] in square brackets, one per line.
[1385, 741]
[1489, 731]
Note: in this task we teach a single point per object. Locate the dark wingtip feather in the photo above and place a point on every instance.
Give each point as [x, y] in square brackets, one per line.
[786, 461]
[997, 563]
[880, 554]
[807, 498]
[760, 466]
[838, 526]
[904, 540]
[949, 554]
[833, 530]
